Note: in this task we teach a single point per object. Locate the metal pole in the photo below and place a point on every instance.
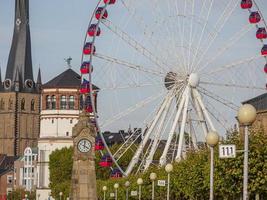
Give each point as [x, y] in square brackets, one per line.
[127, 193]
[211, 171]
[116, 194]
[104, 195]
[153, 190]
[140, 191]
[245, 176]
[168, 187]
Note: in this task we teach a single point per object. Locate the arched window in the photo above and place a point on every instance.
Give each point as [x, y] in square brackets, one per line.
[32, 105]
[48, 102]
[54, 102]
[2, 104]
[71, 102]
[63, 102]
[10, 104]
[22, 106]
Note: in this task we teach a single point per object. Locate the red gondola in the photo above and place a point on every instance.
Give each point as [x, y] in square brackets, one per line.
[116, 173]
[85, 87]
[92, 30]
[88, 48]
[99, 145]
[109, 1]
[264, 50]
[246, 4]
[99, 12]
[265, 68]
[261, 33]
[106, 161]
[254, 17]
[85, 68]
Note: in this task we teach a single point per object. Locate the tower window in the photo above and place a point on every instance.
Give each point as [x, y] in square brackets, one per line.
[52, 121]
[67, 133]
[48, 102]
[10, 104]
[54, 101]
[71, 121]
[32, 105]
[63, 102]
[2, 104]
[22, 106]
[71, 102]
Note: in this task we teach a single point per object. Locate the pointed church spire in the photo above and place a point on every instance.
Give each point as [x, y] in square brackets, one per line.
[20, 52]
[39, 81]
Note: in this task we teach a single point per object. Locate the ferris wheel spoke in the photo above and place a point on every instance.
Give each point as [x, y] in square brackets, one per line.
[232, 85]
[219, 25]
[146, 137]
[219, 99]
[232, 41]
[123, 63]
[163, 67]
[234, 64]
[202, 32]
[131, 109]
[191, 33]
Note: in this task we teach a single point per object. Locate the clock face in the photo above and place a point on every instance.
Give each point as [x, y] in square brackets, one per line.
[84, 145]
[7, 83]
[29, 83]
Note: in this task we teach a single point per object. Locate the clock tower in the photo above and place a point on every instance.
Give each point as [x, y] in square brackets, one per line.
[83, 171]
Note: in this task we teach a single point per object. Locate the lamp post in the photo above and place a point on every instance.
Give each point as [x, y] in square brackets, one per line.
[153, 177]
[116, 186]
[127, 184]
[26, 197]
[60, 195]
[139, 183]
[212, 140]
[104, 190]
[246, 116]
[168, 169]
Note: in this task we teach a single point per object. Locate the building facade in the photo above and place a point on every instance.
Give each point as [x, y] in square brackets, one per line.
[59, 113]
[19, 92]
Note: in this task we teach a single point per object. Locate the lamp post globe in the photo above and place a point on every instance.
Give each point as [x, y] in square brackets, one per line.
[169, 168]
[116, 185]
[139, 181]
[246, 114]
[212, 138]
[153, 176]
[105, 188]
[127, 184]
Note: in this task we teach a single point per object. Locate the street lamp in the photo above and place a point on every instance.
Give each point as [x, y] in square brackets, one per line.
[139, 183]
[60, 195]
[116, 186]
[104, 190]
[153, 177]
[212, 140]
[127, 184]
[246, 116]
[168, 169]
[26, 197]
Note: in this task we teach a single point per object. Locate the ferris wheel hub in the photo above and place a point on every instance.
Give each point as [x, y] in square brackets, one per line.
[193, 80]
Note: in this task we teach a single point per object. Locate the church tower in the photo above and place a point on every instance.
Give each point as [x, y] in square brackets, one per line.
[19, 93]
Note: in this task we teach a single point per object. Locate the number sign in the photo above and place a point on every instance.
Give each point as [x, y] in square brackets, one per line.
[227, 151]
[161, 183]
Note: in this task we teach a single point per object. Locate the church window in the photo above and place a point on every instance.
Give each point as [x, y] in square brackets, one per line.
[10, 104]
[71, 102]
[71, 121]
[22, 106]
[67, 133]
[54, 101]
[63, 102]
[2, 104]
[32, 105]
[52, 121]
[48, 102]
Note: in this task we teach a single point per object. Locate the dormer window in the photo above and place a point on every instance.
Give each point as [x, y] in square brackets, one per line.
[63, 102]
[54, 101]
[48, 102]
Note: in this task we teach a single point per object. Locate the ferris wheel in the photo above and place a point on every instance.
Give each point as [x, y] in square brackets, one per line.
[174, 69]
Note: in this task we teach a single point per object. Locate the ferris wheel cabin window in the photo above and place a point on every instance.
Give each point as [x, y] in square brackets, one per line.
[48, 102]
[71, 102]
[63, 102]
[54, 101]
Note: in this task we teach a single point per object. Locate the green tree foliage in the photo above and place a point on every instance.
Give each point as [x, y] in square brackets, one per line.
[19, 194]
[190, 178]
[60, 167]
